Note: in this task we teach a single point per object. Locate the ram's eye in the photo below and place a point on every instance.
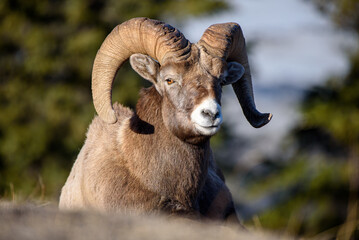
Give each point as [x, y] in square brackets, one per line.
[169, 81]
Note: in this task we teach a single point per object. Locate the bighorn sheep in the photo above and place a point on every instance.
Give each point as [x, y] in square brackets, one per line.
[158, 158]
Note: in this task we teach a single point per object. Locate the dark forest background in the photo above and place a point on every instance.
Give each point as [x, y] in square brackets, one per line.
[46, 53]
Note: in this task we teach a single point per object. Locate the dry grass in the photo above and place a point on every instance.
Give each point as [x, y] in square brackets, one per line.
[46, 222]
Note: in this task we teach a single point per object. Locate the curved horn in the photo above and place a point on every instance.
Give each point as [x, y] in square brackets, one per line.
[138, 35]
[226, 41]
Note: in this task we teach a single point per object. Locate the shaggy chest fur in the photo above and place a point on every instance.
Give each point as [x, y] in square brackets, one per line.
[161, 162]
[136, 165]
[158, 171]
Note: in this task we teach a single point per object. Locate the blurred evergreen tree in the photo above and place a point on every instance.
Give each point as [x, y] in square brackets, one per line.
[316, 191]
[333, 110]
[46, 53]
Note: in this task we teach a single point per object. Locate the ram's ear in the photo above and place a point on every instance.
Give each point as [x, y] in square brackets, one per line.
[234, 72]
[145, 66]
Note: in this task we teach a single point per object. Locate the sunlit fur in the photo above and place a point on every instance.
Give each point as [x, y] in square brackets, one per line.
[155, 159]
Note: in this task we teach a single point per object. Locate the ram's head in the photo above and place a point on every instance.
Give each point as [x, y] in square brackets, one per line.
[188, 76]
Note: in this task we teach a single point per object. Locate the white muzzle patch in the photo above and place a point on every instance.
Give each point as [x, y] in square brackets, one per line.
[207, 117]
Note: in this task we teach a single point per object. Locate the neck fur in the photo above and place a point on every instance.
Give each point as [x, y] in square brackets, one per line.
[170, 166]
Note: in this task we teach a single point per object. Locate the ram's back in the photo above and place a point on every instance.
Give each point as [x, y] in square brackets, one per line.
[99, 155]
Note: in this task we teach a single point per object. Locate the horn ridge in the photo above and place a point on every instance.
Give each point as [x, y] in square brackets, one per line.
[226, 41]
[137, 35]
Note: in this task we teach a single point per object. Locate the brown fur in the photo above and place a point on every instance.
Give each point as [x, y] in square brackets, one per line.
[153, 159]
[158, 158]
[137, 165]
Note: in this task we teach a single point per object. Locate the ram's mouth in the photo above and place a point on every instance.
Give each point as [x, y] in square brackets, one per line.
[207, 130]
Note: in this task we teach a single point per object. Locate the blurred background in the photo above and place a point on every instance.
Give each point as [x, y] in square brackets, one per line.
[297, 175]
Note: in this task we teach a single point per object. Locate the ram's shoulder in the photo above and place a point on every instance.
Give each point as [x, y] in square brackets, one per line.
[99, 128]
[122, 113]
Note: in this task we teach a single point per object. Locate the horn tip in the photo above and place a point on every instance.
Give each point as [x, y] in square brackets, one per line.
[263, 120]
[270, 116]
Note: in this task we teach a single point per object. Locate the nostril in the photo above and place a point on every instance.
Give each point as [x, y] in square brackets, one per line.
[210, 114]
[206, 113]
